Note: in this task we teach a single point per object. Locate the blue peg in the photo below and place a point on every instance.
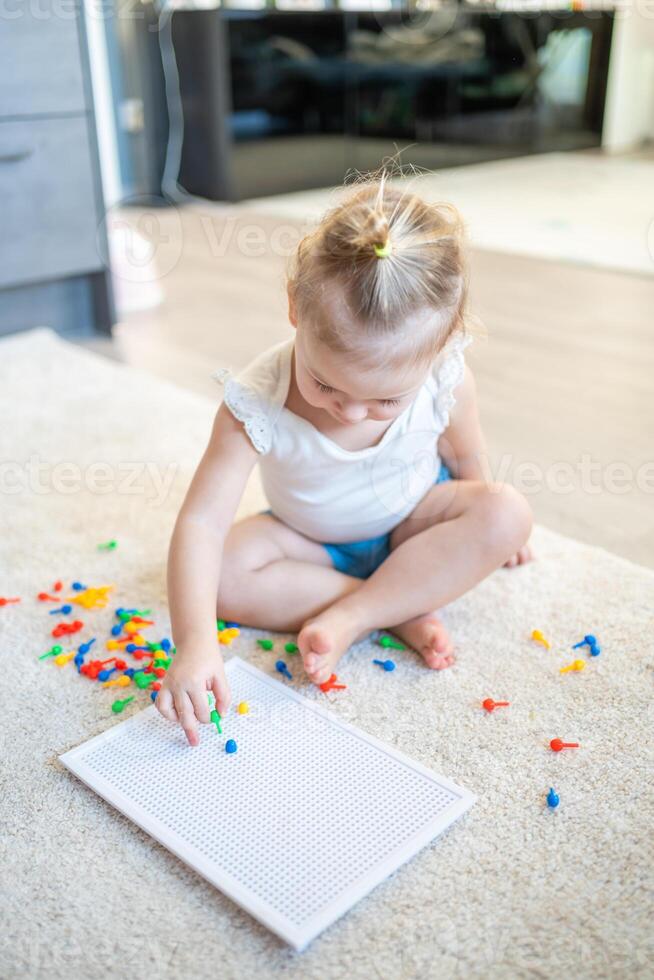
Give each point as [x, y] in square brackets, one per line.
[104, 675]
[78, 587]
[281, 667]
[230, 746]
[386, 664]
[84, 648]
[552, 799]
[65, 610]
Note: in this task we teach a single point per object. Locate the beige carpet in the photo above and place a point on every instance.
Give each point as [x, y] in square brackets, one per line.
[513, 890]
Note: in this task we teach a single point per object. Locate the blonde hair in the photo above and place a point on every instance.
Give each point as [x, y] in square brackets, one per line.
[390, 254]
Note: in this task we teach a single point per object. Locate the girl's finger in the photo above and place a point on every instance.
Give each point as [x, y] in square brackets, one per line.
[221, 692]
[165, 705]
[186, 715]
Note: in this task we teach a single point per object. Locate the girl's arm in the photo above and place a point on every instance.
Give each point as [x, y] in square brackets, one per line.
[462, 445]
[194, 562]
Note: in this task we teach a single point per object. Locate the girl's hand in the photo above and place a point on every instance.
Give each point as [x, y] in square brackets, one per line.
[183, 694]
[520, 558]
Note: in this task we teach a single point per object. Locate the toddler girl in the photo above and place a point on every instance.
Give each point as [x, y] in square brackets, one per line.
[365, 427]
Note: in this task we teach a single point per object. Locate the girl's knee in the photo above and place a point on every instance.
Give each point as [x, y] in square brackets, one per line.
[506, 519]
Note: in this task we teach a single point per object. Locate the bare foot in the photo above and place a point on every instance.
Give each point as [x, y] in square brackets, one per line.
[324, 640]
[427, 635]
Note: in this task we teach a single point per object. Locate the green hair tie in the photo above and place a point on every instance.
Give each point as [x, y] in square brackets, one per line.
[383, 251]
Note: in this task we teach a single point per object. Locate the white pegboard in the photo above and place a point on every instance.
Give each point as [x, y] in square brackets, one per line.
[299, 824]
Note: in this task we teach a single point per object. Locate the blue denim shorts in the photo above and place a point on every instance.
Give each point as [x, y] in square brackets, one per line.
[361, 558]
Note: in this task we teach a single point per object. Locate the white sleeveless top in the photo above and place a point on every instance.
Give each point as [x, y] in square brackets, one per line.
[326, 492]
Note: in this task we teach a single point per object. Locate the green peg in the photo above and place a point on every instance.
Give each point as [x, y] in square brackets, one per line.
[119, 705]
[265, 644]
[154, 646]
[56, 650]
[388, 641]
[108, 546]
[220, 624]
[291, 648]
[143, 680]
[215, 718]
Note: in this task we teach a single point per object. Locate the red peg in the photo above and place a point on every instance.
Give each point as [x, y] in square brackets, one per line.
[92, 669]
[556, 745]
[156, 686]
[57, 587]
[67, 629]
[331, 685]
[5, 602]
[120, 664]
[44, 597]
[489, 705]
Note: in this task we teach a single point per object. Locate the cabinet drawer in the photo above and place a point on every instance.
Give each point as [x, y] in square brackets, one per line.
[49, 211]
[40, 59]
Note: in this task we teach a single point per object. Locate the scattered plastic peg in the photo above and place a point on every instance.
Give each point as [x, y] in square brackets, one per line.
[153, 696]
[108, 546]
[142, 680]
[52, 652]
[282, 669]
[589, 640]
[67, 629]
[332, 685]
[243, 708]
[489, 705]
[389, 642]
[104, 675]
[265, 644]
[64, 610]
[230, 746]
[62, 658]
[538, 637]
[117, 629]
[6, 602]
[123, 681]
[576, 665]
[215, 720]
[226, 636]
[232, 626]
[156, 686]
[119, 705]
[78, 587]
[220, 624]
[387, 665]
[44, 597]
[84, 648]
[556, 745]
[595, 650]
[291, 648]
[552, 799]
[166, 645]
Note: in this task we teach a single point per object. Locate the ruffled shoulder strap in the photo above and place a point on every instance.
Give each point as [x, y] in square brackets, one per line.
[256, 395]
[447, 374]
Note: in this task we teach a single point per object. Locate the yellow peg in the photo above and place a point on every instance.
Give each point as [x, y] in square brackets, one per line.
[227, 635]
[122, 681]
[243, 708]
[575, 665]
[114, 645]
[92, 598]
[62, 658]
[539, 638]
